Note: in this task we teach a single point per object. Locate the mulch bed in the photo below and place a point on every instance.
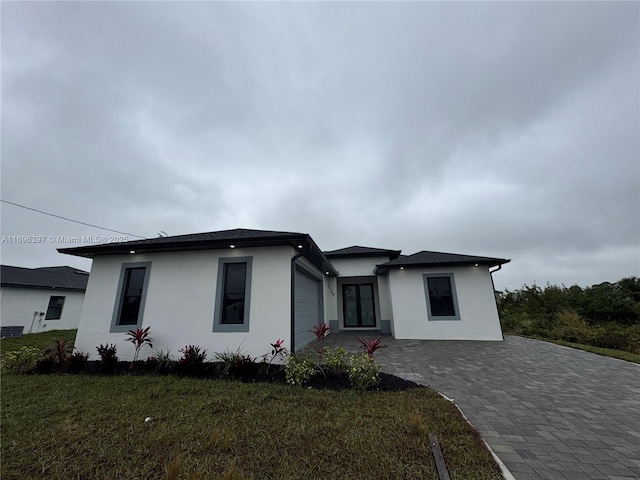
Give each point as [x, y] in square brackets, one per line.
[248, 373]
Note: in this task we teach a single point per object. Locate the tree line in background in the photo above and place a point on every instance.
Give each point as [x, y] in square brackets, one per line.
[605, 315]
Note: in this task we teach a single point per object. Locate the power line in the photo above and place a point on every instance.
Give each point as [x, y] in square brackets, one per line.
[69, 219]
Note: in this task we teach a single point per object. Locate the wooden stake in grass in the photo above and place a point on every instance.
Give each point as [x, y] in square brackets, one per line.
[443, 473]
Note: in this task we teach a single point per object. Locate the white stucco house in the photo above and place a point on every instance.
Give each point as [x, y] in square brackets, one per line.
[247, 288]
[40, 299]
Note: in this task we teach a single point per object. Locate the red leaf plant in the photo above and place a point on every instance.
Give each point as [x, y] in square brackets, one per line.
[321, 331]
[139, 338]
[370, 346]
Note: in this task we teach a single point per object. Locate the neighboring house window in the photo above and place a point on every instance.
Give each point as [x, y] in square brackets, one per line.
[54, 310]
[442, 302]
[233, 293]
[132, 291]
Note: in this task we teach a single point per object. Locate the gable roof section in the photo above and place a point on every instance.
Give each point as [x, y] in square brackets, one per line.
[224, 239]
[357, 251]
[63, 278]
[426, 259]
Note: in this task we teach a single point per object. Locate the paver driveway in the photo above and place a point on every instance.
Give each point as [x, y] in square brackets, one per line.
[549, 412]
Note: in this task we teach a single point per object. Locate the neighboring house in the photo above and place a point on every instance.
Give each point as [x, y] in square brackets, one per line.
[244, 289]
[41, 299]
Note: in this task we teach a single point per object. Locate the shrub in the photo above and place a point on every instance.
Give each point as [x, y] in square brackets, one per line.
[363, 372]
[22, 360]
[298, 371]
[336, 359]
[108, 357]
[232, 363]
[612, 336]
[60, 351]
[139, 338]
[78, 362]
[192, 360]
[151, 364]
[571, 327]
[166, 362]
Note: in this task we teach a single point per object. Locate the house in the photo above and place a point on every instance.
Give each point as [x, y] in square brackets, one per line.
[244, 289]
[40, 299]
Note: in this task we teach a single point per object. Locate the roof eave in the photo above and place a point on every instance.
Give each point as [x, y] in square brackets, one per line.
[315, 255]
[383, 269]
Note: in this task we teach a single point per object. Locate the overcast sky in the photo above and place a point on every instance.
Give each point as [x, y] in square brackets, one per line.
[504, 129]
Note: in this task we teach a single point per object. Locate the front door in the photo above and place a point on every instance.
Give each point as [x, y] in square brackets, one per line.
[358, 306]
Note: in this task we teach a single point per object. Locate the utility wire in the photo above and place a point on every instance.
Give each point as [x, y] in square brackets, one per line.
[69, 219]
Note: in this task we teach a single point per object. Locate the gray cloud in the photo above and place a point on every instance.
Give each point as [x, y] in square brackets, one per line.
[507, 129]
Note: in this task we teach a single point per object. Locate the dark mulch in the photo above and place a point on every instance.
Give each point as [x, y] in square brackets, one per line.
[248, 373]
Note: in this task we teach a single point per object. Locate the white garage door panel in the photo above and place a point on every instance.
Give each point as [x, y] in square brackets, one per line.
[307, 308]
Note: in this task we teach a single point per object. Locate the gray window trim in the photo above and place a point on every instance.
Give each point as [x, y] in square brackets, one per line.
[115, 328]
[431, 317]
[217, 315]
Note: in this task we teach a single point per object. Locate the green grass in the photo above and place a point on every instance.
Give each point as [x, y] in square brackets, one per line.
[78, 426]
[39, 340]
[607, 352]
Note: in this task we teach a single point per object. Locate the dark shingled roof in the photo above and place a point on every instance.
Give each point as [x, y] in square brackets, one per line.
[63, 278]
[239, 237]
[438, 259]
[357, 251]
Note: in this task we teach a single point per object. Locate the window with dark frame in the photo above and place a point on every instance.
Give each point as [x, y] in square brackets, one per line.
[131, 297]
[54, 310]
[233, 294]
[441, 297]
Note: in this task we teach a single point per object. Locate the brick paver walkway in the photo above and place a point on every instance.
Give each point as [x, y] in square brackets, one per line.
[549, 412]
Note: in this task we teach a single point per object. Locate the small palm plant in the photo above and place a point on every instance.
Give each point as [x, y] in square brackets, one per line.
[139, 338]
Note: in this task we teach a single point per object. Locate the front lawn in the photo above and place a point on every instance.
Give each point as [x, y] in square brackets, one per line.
[83, 426]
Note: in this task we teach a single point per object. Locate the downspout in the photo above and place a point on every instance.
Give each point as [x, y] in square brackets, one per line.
[293, 290]
[493, 285]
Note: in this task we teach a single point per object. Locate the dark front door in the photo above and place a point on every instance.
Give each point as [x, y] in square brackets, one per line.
[357, 303]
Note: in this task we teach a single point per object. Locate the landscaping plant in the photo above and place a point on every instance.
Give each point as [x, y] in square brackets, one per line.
[371, 346]
[298, 370]
[192, 360]
[108, 357]
[277, 351]
[232, 362]
[139, 338]
[78, 361]
[22, 360]
[60, 351]
[336, 359]
[364, 373]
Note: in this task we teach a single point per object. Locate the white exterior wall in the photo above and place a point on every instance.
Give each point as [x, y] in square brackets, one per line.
[357, 267]
[17, 307]
[476, 301]
[180, 302]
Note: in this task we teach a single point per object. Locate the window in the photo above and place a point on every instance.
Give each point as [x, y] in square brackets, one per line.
[132, 291]
[233, 293]
[442, 302]
[54, 310]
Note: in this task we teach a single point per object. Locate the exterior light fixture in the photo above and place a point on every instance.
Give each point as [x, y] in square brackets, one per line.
[132, 251]
[401, 268]
[300, 247]
[326, 273]
[232, 246]
[476, 264]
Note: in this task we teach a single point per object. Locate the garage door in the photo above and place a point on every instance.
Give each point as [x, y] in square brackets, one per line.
[307, 307]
